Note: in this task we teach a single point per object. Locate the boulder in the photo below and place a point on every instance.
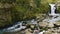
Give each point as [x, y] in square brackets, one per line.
[28, 31]
[57, 23]
[50, 25]
[43, 24]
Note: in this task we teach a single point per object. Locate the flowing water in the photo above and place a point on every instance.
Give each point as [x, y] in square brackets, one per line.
[14, 28]
[52, 8]
[55, 17]
[17, 27]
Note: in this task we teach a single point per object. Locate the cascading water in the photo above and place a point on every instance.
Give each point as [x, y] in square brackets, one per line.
[14, 28]
[52, 8]
[55, 17]
[17, 27]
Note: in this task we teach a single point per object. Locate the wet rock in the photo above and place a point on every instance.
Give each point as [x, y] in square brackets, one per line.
[41, 32]
[57, 23]
[50, 25]
[43, 24]
[52, 31]
[28, 31]
[32, 26]
[40, 17]
[36, 32]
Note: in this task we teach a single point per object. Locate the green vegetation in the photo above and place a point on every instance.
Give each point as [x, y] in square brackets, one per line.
[12, 11]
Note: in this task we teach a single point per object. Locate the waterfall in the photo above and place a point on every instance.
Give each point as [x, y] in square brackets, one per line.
[55, 17]
[52, 8]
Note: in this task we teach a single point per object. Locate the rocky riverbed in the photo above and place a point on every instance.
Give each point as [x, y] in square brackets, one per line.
[38, 26]
[41, 29]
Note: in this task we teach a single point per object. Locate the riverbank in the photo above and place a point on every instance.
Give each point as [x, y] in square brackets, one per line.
[39, 26]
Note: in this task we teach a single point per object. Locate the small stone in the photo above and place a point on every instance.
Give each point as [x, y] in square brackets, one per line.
[32, 26]
[35, 32]
[28, 31]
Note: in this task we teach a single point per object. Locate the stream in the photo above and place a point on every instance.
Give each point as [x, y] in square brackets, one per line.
[17, 27]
